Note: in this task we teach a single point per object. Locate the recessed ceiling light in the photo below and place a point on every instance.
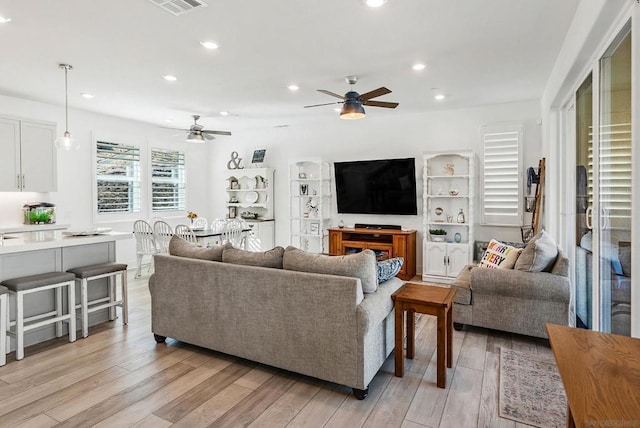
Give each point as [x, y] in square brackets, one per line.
[418, 67]
[374, 3]
[293, 87]
[209, 45]
[87, 96]
[439, 97]
[168, 120]
[170, 78]
[224, 113]
[337, 109]
[4, 20]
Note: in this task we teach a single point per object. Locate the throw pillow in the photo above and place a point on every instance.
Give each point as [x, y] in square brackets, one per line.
[182, 248]
[499, 255]
[539, 255]
[361, 265]
[389, 268]
[269, 259]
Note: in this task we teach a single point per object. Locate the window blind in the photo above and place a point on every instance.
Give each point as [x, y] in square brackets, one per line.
[117, 178]
[501, 176]
[167, 180]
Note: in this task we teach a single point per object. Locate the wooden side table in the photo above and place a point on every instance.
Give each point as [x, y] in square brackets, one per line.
[430, 300]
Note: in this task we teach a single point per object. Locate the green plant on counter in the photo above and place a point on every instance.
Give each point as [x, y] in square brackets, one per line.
[40, 217]
[437, 232]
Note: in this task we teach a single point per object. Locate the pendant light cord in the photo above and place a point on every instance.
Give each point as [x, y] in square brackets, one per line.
[66, 100]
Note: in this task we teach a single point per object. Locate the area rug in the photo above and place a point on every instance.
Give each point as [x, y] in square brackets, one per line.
[531, 390]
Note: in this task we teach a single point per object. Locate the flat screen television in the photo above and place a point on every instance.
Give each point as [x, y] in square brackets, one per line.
[376, 187]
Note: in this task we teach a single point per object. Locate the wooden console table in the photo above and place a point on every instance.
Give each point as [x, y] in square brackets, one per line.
[386, 243]
[430, 300]
[601, 376]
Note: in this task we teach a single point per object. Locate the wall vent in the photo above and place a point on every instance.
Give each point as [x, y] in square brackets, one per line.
[178, 7]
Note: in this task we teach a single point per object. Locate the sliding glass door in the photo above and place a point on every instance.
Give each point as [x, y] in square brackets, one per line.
[614, 186]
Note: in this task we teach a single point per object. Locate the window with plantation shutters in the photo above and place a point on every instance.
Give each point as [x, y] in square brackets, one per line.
[117, 178]
[501, 182]
[167, 180]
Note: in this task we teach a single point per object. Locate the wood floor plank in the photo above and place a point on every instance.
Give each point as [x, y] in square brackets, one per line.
[425, 346]
[247, 410]
[523, 343]
[146, 406]
[395, 401]
[285, 408]
[98, 395]
[409, 424]
[214, 408]
[428, 403]
[497, 340]
[324, 404]
[473, 350]
[152, 421]
[61, 396]
[178, 408]
[463, 402]
[256, 377]
[40, 421]
[488, 416]
[115, 403]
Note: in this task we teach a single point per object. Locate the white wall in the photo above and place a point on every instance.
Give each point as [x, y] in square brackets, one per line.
[75, 169]
[392, 136]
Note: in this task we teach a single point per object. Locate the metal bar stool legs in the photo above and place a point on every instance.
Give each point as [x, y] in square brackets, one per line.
[85, 274]
[37, 283]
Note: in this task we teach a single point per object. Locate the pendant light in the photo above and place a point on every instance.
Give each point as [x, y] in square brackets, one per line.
[352, 108]
[66, 142]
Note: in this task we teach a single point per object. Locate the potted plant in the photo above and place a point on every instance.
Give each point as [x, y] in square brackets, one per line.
[437, 235]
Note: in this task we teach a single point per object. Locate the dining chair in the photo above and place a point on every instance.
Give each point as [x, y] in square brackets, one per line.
[145, 243]
[200, 223]
[218, 224]
[185, 232]
[162, 233]
[232, 233]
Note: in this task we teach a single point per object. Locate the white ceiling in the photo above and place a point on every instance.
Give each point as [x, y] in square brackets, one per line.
[476, 51]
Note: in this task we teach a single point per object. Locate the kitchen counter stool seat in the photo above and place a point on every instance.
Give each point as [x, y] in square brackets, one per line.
[4, 322]
[34, 284]
[84, 274]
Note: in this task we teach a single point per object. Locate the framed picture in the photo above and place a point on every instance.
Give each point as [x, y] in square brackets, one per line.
[314, 228]
[258, 156]
[232, 212]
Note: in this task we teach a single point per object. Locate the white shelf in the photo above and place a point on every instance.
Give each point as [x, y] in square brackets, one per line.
[247, 190]
[448, 176]
[447, 196]
[444, 223]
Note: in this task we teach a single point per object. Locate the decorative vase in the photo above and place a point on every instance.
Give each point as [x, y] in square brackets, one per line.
[341, 224]
[461, 216]
[457, 237]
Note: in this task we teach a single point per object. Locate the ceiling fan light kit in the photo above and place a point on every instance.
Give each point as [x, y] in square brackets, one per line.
[196, 133]
[194, 137]
[352, 108]
[66, 141]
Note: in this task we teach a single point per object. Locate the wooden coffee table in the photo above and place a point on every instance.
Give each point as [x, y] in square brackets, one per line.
[430, 300]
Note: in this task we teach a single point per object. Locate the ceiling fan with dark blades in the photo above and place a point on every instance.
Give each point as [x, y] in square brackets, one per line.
[196, 133]
[353, 102]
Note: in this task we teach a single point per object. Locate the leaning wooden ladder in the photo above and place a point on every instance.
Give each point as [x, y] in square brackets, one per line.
[529, 232]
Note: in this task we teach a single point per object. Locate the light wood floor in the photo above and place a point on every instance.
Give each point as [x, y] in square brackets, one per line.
[119, 377]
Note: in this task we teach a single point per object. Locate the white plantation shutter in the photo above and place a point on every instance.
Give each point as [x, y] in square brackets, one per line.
[501, 183]
[167, 180]
[117, 178]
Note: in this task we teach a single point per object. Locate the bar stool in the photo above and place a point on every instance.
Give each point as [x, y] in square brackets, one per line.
[4, 317]
[84, 274]
[33, 284]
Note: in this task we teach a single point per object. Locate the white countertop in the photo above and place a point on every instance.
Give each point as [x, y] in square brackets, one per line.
[46, 239]
[19, 228]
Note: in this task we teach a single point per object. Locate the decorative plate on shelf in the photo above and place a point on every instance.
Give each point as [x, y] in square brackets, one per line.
[87, 232]
[251, 197]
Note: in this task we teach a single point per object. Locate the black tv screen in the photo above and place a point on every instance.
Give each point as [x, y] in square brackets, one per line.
[377, 187]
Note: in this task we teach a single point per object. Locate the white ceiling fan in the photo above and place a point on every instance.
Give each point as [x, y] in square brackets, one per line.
[196, 133]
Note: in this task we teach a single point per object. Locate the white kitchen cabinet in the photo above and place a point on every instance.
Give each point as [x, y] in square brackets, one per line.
[261, 237]
[30, 157]
[449, 202]
[445, 260]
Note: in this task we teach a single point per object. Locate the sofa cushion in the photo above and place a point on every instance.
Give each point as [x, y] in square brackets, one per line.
[269, 259]
[499, 255]
[539, 255]
[361, 265]
[462, 285]
[389, 268]
[182, 248]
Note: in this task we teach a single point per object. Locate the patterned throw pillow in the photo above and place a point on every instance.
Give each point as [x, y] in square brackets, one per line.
[389, 268]
[499, 255]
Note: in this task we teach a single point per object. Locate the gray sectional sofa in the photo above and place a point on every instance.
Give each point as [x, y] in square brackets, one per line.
[322, 325]
[518, 300]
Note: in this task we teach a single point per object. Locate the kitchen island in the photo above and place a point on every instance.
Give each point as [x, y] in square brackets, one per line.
[33, 253]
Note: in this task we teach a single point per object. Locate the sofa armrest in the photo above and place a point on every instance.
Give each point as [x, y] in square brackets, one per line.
[520, 284]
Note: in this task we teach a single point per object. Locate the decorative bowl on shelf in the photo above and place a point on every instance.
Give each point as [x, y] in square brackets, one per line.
[438, 238]
[453, 192]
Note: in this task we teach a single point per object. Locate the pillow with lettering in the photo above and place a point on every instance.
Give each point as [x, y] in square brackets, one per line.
[500, 256]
